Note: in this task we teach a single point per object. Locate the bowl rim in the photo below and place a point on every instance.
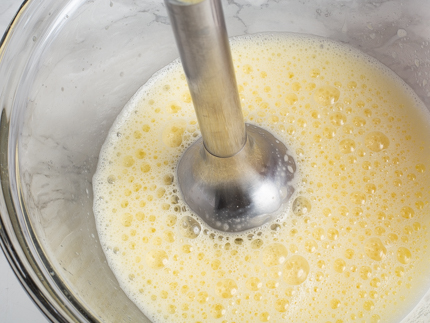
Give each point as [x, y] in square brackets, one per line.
[16, 241]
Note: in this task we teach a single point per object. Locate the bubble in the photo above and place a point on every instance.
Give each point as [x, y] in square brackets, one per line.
[171, 220]
[375, 318]
[140, 216]
[358, 121]
[156, 259]
[370, 188]
[289, 291]
[189, 227]
[301, 206]
[253, 284]
[301, 123]
[347, 146]
[247, 69]
[399, 271]
[338, 119]
[281, 305]
[137, 134]
[140, 154]
[393, 237]
[127, 192]
[339, 265]
[128, 161]
[335, 303]
[332, 234]
[174, 107]
[145, 168]
[375, 282]
[296, 270]
[275, 227]
[326, 95]
[419, 205]
[376, 141]
[272, 284]
[256, 243]
[315, 73]
[352, 159]
[420, 168]
[368, 305]
[349, 253]
[217, 311]
[352, 85]
[375, 249]
[126, 219]
[186, 97]
[160, 192]
[164, 294]
[365, 272]
[168, 179]
[407, 212]
[215, 264]
[294, 248]
[327, 212]
[373, 294]
[185, 289]
[362, 293]
[136, 187]
[111, 179]
[291, 98]
[169, 236]
[258, 296]
[403, 255]
[238, 241]
[264, 317]
[408, 230]
[291, 130]
[311, 246]
[171, 309]
[319, 276]
[379, 231]
[319, 234]
[186, 248]
[226, 288]
[202, 297]
[329, 132]
[172, 134]
[174, 200]
[348, 129]
[274, 254]
[358, 198]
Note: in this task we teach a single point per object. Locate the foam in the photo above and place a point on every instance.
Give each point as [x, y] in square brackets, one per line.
[349, 247]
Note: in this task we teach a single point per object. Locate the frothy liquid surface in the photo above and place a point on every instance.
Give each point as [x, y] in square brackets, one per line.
[353, 244]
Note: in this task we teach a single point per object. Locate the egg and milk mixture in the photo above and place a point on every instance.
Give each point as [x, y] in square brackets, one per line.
[352, 246]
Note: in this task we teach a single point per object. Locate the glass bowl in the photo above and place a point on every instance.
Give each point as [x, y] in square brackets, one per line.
[67, 68]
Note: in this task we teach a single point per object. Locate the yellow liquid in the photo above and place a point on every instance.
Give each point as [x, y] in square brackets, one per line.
[352, 245]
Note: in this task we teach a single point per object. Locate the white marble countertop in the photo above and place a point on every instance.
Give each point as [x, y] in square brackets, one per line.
[15, 305]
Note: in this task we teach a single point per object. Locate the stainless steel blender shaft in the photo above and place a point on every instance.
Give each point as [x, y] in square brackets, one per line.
[202, 40]
[236, 179]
